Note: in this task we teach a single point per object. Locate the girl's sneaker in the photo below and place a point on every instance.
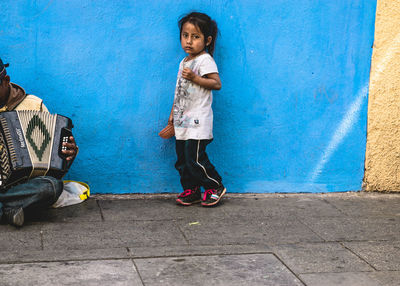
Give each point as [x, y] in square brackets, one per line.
[213, 196]
[189, 196]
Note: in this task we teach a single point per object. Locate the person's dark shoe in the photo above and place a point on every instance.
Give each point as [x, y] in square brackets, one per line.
[213, 196]
[189, 197]
[15, 216]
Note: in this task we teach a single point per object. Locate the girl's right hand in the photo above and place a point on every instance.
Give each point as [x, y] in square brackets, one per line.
[188, 74]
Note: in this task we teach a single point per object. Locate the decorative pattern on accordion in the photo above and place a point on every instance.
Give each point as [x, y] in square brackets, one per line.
[37, 127]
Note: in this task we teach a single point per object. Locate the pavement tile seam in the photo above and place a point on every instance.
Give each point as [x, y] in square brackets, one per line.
[373, 211]
[198, 250]
[100, 209]
[370, 250]
[353, 278]
[225, 270]
[359, 240]
[283, 265]
[359, 256]
[335, 241]
[207, 255]
[335, 207]
[329, 242]
[305, 258]
[355, 240]
[287, 267]
[228, 244]
[64, 260]
[181, 231]
[199, 254]
[368, 240]
[309, 228]
[23, 255]
[344, 228]
[116, 221]
[104, 272]
[33, 261]
[136, 268]
[337, 272]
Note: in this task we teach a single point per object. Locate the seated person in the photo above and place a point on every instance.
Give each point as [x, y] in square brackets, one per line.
[39, 192]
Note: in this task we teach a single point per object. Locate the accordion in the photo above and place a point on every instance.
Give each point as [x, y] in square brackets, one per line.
[31, 145]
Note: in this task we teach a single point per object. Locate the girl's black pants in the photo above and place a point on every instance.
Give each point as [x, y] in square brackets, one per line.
[193, 165]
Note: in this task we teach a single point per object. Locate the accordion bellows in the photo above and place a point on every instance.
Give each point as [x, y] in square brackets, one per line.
[31, 145]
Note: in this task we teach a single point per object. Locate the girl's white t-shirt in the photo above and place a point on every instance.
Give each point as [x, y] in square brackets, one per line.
[193, 115]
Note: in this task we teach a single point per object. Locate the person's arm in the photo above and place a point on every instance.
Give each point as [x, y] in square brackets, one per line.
[209, 81]
[171, 115]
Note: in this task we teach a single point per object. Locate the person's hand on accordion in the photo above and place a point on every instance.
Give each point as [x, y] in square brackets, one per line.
[72, 149]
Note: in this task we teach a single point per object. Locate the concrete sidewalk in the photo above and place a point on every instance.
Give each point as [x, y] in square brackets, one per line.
[268, 239]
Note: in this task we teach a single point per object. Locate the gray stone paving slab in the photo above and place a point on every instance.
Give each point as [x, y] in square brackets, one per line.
[341, 279]
[196, 250]
[386, 278]
[356, 228]
[327, 239]
[24, 255]
[157, 209]
[100, 272]
[88, 235]
[254, 269]
[367, 205]
[282, 206]
[382, 255]
[12, 238]
[320, 257]
[277, 230]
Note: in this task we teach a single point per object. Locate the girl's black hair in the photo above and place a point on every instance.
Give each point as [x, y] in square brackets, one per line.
[206, 25]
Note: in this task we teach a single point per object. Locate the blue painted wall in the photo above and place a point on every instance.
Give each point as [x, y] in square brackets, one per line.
[290, 117]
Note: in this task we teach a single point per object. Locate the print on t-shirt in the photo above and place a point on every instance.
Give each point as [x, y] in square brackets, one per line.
[183, 100]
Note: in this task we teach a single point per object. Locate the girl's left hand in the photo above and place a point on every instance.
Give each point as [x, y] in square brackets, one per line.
[188, 74]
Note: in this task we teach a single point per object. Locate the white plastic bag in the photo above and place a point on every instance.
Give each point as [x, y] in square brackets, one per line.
[73, 193]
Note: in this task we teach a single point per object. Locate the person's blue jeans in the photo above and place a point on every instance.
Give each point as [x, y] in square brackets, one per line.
[37, 193]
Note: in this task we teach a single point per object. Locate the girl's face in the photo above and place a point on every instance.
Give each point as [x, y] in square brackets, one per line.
[192, 40]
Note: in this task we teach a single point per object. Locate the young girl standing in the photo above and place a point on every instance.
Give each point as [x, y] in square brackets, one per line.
[192, 114]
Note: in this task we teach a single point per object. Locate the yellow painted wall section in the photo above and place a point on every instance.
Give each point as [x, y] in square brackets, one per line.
[382, 163]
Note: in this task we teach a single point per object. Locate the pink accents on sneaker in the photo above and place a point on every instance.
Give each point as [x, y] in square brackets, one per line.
[186, 193]
[213, 196]
[189, 196]
[208, 192]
